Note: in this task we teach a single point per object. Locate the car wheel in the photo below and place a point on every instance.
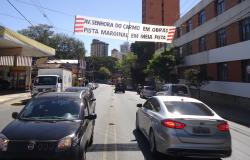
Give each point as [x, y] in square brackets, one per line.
[137, 123]
[82, 153]
[152, 143]
[91, 139]
[123, 91]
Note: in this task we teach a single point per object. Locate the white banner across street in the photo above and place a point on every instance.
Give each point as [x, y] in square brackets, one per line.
[121, 30]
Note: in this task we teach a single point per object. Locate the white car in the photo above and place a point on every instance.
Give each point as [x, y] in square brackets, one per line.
[147, 92]
[174, 90]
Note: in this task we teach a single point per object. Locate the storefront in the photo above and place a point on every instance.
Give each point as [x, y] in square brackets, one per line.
[16, 53]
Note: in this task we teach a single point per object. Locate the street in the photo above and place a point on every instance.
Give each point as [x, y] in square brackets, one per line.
[115, 137]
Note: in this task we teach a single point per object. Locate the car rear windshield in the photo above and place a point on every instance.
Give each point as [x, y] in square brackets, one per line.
[179, 89]
[52, 108]
[45, 80]
[188, 108]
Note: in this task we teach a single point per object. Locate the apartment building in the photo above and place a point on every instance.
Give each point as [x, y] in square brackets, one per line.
[214, 36]
[99, 48]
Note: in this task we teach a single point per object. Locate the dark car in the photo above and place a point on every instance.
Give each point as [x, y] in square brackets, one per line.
[84, 90]
[51, 126]
[120, 87]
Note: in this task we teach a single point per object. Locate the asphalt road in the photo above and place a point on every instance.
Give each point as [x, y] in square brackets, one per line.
[115, 137]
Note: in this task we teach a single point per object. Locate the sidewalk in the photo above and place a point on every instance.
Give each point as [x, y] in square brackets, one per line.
[9, 97]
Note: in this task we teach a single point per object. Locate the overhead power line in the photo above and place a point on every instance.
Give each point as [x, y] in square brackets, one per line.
[39, 8]
[20, 13]
[49, 9]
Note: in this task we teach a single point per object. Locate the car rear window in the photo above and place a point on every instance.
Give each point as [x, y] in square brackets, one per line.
[179, 89]
[188, 108]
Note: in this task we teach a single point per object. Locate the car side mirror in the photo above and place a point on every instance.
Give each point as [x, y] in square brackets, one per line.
[15, 115]
[139, 105]
[92, 116]
[93, 99]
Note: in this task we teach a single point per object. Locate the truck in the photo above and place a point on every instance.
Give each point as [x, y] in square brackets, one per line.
[55, 80]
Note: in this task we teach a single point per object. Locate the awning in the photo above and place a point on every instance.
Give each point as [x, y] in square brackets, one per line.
[24, 61]
[29, 47]
[6, 60]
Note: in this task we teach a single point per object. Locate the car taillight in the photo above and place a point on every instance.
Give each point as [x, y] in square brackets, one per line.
[223, 127]
[173, 124]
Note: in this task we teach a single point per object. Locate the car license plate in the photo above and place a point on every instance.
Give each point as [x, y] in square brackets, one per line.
[201, 130]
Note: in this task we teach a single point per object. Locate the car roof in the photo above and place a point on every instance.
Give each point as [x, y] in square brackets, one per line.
[75, 95]
[174, 84]
[78, 88]
[177, 98]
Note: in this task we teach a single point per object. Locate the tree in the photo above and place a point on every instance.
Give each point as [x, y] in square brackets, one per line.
[162, 65]
[66, 47]
[104, 72]
[41, 33]
[144, 52]
[195, 78]
[126, 64]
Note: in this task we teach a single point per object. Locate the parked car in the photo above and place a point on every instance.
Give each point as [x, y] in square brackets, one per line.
[51, 126]
[84, 90]
[183, 126]
[120, 87]
[147, 92]
[174, 90]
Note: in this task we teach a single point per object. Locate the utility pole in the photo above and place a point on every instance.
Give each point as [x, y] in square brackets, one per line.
[163, 21]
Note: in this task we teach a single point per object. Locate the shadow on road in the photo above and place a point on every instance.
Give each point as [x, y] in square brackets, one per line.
[22, 102]
[144, 147]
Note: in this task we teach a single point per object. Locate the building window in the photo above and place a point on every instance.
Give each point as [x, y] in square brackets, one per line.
[246, 71]
[245, 29]
[189, 25]
[221, 38]
[222, 71]
[187, 48]
[202, 17]
[220, 6]
[202, 44]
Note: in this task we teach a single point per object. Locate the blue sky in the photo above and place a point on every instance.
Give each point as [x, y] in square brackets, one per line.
[63, 21]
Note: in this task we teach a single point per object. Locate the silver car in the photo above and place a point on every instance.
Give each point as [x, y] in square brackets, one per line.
[183, 126]
[147, 92]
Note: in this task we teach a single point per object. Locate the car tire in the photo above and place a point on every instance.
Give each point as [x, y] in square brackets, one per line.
[123, 91]
[152, 146]
[82, 153]
[91, 140]
[137, 123]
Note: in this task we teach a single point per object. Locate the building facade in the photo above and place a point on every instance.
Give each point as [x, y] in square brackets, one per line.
[160, 12]
[214, 37]
[99, 48]
[16, 53]
[125, 48]
[116, 54]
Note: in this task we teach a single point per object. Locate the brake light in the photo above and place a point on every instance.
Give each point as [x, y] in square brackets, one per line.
[173, 124]
[223, 127]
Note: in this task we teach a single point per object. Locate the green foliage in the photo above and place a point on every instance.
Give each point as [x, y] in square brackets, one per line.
[66, 47]
[98, 62]
[105, 72]
[126, 64]
[144, 52]
[195, 78]
[162, 65]
[40, 33]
